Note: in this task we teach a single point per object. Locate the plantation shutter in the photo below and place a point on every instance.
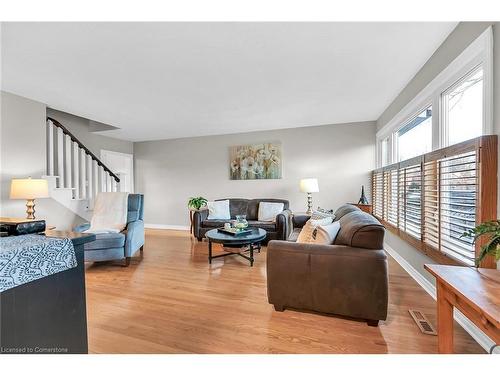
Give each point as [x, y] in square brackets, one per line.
[431, 200]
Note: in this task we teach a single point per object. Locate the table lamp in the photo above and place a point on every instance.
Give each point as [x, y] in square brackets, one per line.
[309, 185]
[29, 189]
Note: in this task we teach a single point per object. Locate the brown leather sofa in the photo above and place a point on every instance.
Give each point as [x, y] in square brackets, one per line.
[280, 229]
[347, 278]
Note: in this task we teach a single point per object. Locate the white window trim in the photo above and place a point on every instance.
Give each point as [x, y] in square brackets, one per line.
[479, 52]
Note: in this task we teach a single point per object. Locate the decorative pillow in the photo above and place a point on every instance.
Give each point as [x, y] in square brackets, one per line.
[269, 210]
[218, 210]
[305, 235]
[325, 234]
[321, 213]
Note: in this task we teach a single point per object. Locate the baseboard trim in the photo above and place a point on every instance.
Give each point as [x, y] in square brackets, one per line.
[478, 335]
[165, 226]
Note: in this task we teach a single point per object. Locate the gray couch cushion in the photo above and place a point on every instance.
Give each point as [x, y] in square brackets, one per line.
[106, 241]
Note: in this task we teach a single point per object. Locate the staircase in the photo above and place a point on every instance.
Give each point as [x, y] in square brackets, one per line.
[74, 174]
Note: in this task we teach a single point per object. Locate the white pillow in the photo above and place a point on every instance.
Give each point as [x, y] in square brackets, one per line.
[218, 210]
[326, 234]
[305, 235]
[269, 210]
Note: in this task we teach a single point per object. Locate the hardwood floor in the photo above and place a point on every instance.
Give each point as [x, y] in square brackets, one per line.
[172, 301]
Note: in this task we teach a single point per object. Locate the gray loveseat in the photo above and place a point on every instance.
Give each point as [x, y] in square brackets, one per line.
[280, 229]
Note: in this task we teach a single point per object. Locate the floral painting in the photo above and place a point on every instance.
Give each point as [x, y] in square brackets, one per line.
[255, 162]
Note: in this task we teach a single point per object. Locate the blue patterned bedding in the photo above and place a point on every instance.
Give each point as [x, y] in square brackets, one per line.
[31, 257]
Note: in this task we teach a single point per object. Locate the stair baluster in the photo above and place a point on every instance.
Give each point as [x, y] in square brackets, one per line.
[83, 174]
[90, 176]
[50, 149]
[95, 167]
[76, 172]
[67, 161]
[60, 158]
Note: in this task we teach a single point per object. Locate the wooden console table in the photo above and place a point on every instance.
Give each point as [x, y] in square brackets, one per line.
[368, 208]
[475, 292]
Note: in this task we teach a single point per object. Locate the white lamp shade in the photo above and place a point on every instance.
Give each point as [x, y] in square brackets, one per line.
[28, 188]
[309, 185]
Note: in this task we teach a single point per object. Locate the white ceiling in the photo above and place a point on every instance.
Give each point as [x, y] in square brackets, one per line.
[171, 80]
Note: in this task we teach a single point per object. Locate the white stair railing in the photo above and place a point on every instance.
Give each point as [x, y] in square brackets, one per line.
[75, 166]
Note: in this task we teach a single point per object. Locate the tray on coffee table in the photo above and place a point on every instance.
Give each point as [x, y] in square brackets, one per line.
[234, 231]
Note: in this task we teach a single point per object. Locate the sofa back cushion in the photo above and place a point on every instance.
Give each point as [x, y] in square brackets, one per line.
[359, 229]
[344, 210]
[253, 206]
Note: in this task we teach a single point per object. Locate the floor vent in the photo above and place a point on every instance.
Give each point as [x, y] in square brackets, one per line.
[422, 322]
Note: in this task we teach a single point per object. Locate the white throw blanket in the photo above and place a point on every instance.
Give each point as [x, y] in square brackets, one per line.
[110, 213]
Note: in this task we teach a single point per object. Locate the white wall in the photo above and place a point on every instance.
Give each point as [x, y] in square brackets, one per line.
[168, 172]
[22, 155]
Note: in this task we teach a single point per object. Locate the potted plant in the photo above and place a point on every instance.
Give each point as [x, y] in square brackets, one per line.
[195, 203]
[490, 229]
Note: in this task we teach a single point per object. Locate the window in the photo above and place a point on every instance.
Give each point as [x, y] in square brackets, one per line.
[415, 138]
[463, 108]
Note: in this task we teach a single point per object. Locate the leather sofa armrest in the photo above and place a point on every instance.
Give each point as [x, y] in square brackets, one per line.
[298, 221]
[284, 224]
[198, 217]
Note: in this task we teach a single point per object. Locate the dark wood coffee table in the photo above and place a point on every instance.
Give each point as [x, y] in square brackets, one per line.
[252, 240]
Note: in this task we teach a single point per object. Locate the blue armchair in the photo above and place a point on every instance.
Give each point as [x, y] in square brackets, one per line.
[123, 245]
